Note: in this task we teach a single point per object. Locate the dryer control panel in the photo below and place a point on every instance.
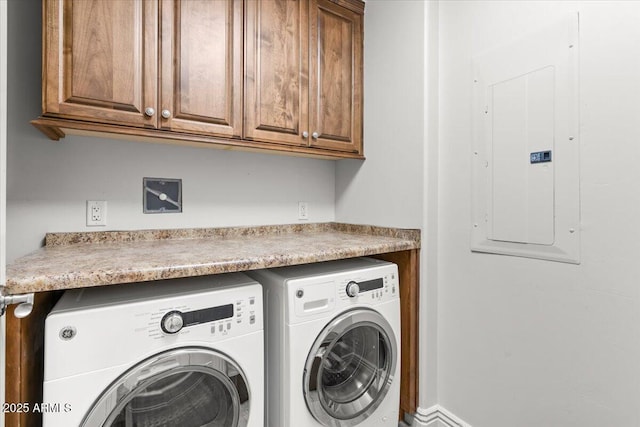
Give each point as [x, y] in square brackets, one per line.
[313, 296]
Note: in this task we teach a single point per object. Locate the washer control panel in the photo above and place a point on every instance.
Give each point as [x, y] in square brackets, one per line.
[212, 315]
[147, 318]
[219, 319]
[367, 289]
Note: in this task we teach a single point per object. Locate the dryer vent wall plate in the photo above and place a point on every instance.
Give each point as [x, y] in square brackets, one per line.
[162, 195]
[525, 154]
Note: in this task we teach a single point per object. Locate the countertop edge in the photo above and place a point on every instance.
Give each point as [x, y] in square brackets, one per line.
[23, 278]
[113, 236]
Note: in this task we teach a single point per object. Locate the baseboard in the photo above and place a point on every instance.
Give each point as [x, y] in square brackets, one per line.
[436, 416]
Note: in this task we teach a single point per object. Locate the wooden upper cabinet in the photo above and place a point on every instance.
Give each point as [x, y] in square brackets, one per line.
[275, 75]
[335, 81]
[276, 71]
[100, 60]
[303, 78]
[201, 74]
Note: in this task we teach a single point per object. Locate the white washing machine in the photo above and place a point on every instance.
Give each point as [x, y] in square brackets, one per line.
[181, 352]
[332, 344]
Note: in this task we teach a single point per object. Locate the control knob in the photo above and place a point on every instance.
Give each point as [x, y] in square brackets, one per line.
[172, 322]
[353, 289]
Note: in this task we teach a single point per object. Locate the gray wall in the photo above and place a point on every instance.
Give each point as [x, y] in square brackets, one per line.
[49, 182]
[390, 187]
[386, 189]
[529, 343]
[520, 342]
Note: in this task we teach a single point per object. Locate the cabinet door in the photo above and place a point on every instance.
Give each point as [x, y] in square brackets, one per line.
[276, 79]
[100, 60]
[335, 80]
[201, 77]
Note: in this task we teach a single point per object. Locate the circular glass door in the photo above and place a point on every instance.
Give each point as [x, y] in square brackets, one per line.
[189, 387]
[350, 368]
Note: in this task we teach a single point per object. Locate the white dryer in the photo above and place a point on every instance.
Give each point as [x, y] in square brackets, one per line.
[332, 343]
[181, 352]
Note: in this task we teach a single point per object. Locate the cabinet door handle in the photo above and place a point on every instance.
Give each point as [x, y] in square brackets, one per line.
[166, 114]
[305, 134]
[149, 112]
[315, 135]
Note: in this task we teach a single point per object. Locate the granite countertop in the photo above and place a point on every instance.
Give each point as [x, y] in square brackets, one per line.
[76, 260]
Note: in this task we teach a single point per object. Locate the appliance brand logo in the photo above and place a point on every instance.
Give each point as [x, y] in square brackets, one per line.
[67, 333]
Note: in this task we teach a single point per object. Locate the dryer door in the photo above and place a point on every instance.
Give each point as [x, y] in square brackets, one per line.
[350, 368]
[186, 387]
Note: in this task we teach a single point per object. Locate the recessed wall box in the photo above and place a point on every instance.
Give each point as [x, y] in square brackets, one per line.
[162, 195]
[525, 202]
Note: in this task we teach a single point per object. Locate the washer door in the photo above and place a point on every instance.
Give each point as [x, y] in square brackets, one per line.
[187, 387]
[350, 368]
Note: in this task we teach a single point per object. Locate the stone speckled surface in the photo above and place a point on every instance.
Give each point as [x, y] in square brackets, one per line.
[76, 260]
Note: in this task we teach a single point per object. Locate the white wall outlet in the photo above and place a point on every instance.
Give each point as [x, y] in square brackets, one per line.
[303, 210]
[96, 212]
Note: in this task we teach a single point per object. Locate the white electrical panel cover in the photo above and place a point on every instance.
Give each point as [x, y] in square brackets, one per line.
[525, 154]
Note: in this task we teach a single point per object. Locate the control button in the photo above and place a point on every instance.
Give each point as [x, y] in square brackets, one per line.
[252, 319]
[221, 327]
[372, 296]
[252, 301]
[213, 329]
[393, 290]
[228, 325]
[299, 293]
[352, 289]
[172, 322]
